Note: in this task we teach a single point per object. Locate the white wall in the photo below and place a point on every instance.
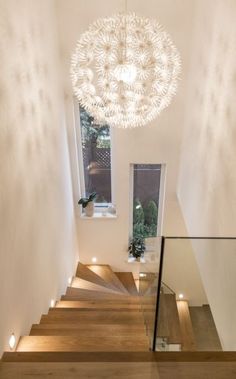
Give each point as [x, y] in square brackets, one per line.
[207, 182]
[158, 142]
[37, 226]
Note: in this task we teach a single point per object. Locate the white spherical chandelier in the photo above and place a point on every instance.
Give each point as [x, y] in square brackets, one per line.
[125, 70]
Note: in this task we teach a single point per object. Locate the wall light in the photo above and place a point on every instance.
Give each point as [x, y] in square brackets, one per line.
[70, 280]
[52, 303]
[181, 296]
[94, 259]
[12, 341]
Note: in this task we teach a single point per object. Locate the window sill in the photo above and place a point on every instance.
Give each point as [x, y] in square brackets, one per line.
[134, 260]
[98, 216]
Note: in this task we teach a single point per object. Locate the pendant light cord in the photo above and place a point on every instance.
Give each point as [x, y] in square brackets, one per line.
[126, 5]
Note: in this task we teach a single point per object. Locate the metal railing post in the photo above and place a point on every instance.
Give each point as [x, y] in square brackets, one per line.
[158, 293]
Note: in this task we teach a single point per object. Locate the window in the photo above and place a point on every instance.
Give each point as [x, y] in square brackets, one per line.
[96, 157]
[146, 204]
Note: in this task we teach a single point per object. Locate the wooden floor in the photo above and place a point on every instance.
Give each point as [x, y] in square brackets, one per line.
[117, 370]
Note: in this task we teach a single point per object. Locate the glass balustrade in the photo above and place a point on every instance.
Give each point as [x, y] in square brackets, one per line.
[196, 302]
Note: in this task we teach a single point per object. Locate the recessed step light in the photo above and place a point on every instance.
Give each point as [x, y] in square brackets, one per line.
[94, 259]
[181, 296]
[52, 303]
[142, 275]
[12, 341]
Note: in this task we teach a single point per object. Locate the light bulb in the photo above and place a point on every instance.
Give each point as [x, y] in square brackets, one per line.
[125, 73]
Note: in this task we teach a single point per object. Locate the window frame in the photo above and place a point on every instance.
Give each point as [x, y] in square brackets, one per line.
[99, 208]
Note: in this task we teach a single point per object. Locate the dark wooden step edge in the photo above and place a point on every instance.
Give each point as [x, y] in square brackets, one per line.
[227, 356]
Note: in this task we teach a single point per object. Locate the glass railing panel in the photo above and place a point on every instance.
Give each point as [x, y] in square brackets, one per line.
[148, 281]
[197, 302]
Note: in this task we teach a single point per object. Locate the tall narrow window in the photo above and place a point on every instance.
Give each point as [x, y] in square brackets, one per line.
[146, 193]
[96, 154]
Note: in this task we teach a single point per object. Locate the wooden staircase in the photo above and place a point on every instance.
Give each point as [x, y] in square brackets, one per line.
[97, 330]
[110, 319]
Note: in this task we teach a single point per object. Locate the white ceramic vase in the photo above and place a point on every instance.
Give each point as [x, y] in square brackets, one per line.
[89, 210]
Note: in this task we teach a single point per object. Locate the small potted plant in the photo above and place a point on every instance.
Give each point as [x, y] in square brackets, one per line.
[137, 248]
[88, 204]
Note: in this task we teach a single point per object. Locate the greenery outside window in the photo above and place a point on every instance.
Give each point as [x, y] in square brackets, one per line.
[146, 193]
[96, 157]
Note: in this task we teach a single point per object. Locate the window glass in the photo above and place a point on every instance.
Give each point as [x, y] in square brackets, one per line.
[146, 188]
[96, 149]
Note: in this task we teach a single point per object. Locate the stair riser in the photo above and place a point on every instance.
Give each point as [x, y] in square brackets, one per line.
[87, 305]
[95, 309]
[93, 297]
[58, 343]
[93, 328]
[117, 320]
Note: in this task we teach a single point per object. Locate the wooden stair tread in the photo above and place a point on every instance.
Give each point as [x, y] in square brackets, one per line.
[86, 333]
[97, 305]
[85, 294]
[107, 274]
[128, 282]
[101, 316]
[187, 335]
[70, 343]
[84, 284]
[147, 356]
[85, 273]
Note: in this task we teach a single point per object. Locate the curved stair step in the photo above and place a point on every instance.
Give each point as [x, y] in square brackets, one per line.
[128, 282]
[108, 275]
[85, 273]
[84, 284]
[84, 294]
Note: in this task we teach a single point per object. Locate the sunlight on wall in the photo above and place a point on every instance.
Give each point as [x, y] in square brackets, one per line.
[207, 182]
[38, 246]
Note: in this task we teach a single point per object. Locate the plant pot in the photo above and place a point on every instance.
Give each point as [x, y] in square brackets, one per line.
[89, 210]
